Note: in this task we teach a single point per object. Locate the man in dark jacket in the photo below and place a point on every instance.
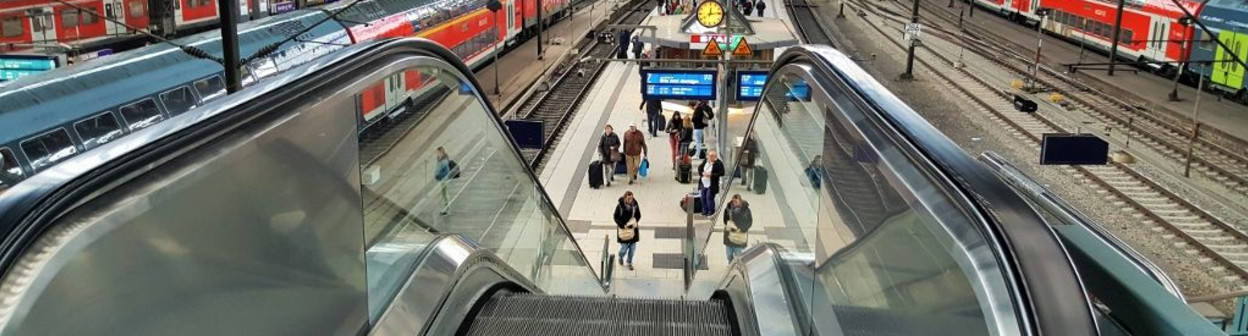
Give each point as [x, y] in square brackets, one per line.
[737, 221]
[627, 212]
[760, 6]
[708, 183]
[702, 114]
[609, 148]
[622, 42]
[749, 154]
[638, 47]
[654, 111]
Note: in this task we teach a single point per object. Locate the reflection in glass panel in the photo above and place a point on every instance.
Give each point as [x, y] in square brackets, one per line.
[434, 162]
[98, 130]
[49, 148]
[210, 87]
[178, 100]
[10, 171]
[142, 114]
[878, 231]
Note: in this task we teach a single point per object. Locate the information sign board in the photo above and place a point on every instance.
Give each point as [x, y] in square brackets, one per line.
[750, 85]
[17, 66]
[679, 84]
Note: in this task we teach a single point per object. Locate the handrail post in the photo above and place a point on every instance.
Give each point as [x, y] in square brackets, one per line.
[690, 236]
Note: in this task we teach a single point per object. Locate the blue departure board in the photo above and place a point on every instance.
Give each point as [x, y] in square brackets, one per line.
[679, 84]
[17, 66]
[750, 84]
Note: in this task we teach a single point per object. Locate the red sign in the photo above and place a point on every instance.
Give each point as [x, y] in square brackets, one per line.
[704, 38]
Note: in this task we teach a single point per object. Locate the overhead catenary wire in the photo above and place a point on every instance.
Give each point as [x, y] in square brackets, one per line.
[268, 49]
[189, 50]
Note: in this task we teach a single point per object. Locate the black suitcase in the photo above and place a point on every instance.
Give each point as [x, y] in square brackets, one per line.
[621, 168]
[697, 204]
[684, 173]
[760, 179]
[595, 174]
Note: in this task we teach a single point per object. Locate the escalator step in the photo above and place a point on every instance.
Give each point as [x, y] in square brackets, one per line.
[526, 314]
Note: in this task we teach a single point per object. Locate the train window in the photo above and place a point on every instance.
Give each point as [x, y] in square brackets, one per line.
[178, 100]
[88, 17]
[204, 2]
[136, 9]
[191, 3]
[69, 18]
[48, 149]
[11, 26]
[141, 114]
[210, 87]
[98, 130]
[10, 171]
[1128, 36]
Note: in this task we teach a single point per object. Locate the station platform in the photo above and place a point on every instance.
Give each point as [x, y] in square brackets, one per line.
[520, 67]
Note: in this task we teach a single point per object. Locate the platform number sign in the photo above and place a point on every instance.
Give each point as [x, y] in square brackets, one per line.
[913, 31]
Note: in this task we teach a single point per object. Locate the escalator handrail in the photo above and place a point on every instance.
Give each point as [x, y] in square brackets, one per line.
[1070, 214]
[29, 208]
[1048, 295]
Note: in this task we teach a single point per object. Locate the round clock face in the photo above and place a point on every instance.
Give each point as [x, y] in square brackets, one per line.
[710, 13]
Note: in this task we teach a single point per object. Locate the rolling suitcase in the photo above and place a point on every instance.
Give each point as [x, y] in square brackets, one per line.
[697, 204]
[684, 173]
[595, 174]
[621, 168]
[760, 180]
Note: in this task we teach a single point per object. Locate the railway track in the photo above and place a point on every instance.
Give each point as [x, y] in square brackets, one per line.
[1224, 166]
[1189, 229]
[558, 104]
[807, 23]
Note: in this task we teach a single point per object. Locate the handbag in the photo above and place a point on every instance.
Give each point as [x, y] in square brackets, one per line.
[615, 156]
[626, 232]
[644, 170]
[736, 236]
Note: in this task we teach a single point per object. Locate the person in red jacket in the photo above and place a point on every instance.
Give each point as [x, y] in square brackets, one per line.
[634, 150]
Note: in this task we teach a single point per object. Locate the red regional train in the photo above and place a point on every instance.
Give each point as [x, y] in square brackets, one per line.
[1151, 29]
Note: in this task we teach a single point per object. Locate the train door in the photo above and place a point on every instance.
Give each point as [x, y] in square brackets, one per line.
[1158, 37]
[42, 26]
[395, 92]
[511, 18]
[115, 11]
[1229, 73]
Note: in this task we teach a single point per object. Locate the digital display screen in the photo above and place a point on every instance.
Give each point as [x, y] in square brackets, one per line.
[679, 84]
[750, 84]
[18, 66]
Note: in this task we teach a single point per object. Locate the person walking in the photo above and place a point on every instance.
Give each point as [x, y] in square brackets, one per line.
[702, 114]
[446, 170]
[634, 150]
[609, 148]
[737, 221]
[710, 171]
[760, 6]
[748, 8]
[814, 172]
[623, 40]
[638, 47]
[674, 128]
[654, 111]
[627, 215]
[749, 154]
[686, 135]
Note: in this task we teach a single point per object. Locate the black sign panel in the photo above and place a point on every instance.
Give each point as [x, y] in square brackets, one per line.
[1073, 149]
[528, 133]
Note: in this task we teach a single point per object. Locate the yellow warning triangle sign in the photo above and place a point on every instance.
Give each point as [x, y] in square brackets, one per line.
[743, 49]
[712, 49]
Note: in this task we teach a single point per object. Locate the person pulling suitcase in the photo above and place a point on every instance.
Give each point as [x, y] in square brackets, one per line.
[609, 148]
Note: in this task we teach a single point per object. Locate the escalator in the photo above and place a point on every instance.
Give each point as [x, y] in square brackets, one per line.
[280, 211]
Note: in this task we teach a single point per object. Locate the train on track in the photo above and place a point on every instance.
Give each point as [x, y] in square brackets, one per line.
[67, 111]
[1154, 33]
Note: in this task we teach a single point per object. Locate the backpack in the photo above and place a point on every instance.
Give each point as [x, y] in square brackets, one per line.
[454, 168]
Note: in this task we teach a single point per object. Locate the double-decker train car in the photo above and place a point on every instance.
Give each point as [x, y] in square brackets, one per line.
[67, 111]
[1151, 29]
[73, 29]
[55, 115]
[1228, 20]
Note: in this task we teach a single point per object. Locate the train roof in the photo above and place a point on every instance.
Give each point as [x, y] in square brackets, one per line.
[1225, 14]
[41, 102]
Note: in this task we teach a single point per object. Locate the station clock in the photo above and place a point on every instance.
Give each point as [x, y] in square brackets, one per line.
[710, 13]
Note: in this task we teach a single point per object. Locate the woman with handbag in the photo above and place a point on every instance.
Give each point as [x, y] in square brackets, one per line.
[627, 214]
[737, 220]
